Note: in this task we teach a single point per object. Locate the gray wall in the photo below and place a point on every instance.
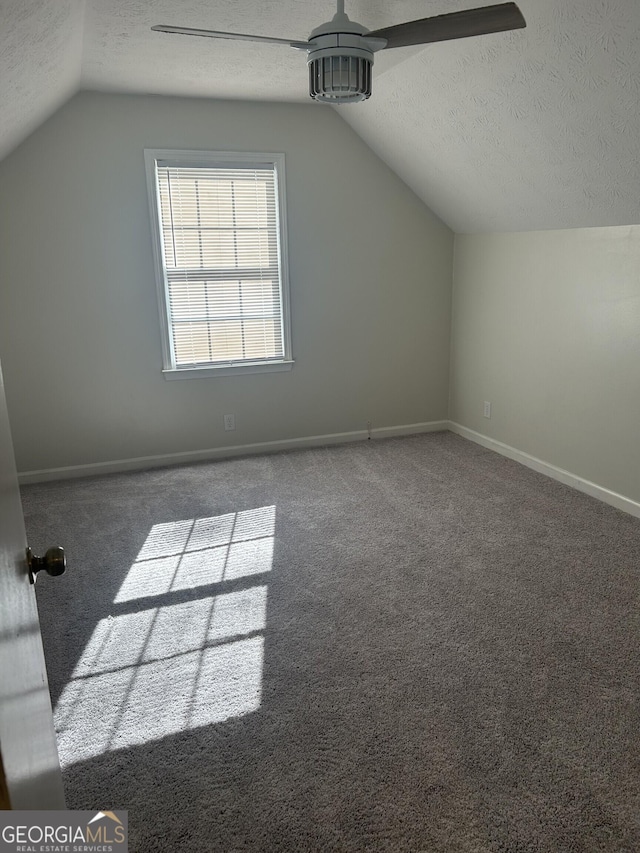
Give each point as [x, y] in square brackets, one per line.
[370, 270]
[546, 326]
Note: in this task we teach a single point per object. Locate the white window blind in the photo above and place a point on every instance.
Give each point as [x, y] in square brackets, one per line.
[221, 254]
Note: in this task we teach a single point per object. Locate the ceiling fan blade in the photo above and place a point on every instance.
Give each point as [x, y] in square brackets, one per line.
[455, 25]
[219, 34]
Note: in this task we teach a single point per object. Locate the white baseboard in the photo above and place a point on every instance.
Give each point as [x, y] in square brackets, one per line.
[566, 477]
[184, 458]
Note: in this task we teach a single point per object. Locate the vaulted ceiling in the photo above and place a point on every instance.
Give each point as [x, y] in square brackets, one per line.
[534, 129]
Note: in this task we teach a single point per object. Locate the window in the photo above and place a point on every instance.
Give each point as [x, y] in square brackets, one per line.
[220, 249]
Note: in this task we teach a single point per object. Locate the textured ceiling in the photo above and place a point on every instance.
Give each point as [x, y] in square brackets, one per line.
[534, 129]
[40, 54]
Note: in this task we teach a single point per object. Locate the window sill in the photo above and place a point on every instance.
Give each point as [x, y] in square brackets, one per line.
[208, 371]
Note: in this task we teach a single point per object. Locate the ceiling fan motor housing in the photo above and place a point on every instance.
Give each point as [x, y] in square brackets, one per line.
[340, 60]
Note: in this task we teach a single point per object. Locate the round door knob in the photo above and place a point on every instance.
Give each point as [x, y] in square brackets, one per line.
[54, 562]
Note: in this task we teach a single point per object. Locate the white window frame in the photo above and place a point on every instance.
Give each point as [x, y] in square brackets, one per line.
[211, 159]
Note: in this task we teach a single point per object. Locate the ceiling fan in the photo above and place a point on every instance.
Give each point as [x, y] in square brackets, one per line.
[340, 52]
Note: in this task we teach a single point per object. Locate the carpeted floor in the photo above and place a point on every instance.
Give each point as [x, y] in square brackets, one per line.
[401, 645]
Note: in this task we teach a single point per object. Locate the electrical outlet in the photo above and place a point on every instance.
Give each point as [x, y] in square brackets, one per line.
[229, 422]
[487, 409]
[369, 430]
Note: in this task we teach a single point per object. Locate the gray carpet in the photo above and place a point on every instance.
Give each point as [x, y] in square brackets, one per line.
[423, 647]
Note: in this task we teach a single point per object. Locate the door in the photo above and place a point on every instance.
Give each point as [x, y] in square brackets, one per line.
[32, 777]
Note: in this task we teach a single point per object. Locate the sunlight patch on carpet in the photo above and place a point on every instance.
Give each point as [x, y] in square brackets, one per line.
[155, 671]
[185, 554]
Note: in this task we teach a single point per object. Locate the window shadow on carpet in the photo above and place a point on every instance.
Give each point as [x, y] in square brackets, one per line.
[183, 645]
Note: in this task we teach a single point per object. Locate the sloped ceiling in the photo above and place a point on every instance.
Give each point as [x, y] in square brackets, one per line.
[534, 129]
[40, 60]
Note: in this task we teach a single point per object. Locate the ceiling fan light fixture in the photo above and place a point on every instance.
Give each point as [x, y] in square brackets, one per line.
[339, 77]
[340, 57]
